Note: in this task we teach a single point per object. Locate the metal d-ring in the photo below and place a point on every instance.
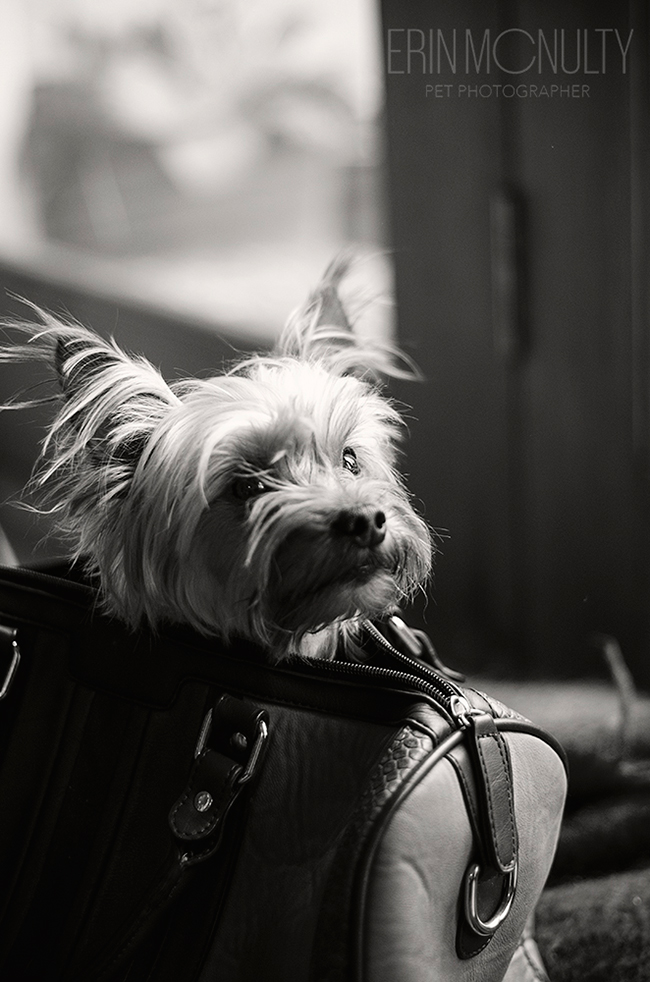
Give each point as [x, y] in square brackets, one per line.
[487, 928]
[10, 634]
[261, 735]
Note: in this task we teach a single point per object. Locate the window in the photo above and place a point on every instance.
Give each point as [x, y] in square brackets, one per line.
[207, 157]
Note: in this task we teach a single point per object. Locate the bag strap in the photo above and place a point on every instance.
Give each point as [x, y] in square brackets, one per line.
[229, 752]
[493, 771]
[489, 884]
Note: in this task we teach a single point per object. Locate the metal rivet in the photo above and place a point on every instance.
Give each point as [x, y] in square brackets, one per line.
[239, 741]
[202, 801]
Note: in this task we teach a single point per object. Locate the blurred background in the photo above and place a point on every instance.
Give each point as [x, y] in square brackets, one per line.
[179, 173]
[207, 156]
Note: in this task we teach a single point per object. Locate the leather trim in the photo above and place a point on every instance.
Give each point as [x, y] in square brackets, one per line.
[492, 758]
[360, 897]
[337, 931]
[521, 725]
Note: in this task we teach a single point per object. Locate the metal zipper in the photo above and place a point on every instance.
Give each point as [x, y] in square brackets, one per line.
[446, 695]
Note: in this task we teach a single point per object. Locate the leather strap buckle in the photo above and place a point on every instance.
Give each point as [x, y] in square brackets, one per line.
[9, 647]
[228, 753]
[240, 740]
[261, 736]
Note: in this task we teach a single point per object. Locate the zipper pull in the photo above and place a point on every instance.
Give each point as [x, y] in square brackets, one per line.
[461, 711]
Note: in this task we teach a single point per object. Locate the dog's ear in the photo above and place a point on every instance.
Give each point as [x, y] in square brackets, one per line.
[326, 301]
[323, 331]
[76, 361]
[112, 399]
[112, 404]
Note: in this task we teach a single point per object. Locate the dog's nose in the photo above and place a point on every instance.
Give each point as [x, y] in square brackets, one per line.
[366, 528]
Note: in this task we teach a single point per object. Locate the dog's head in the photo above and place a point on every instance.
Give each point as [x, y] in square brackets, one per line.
[263, 502]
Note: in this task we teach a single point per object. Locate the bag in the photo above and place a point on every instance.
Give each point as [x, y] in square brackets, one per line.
[173, 811]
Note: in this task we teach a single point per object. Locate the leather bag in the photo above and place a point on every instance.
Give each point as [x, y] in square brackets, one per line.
[174, 811]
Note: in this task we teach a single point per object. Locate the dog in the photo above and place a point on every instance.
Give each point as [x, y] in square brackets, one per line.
[261, 503]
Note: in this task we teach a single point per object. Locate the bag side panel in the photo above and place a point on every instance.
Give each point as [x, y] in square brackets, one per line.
[314, 770]
[411, 909]
[135, 835]
[38, 755]
[86, 783]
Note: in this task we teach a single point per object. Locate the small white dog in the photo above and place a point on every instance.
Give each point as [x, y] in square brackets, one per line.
[262, 503]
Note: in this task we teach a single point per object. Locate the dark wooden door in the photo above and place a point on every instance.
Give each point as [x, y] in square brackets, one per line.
[520, 242]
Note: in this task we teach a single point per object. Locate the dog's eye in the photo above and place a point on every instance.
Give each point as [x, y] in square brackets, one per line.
[244, 488]
[350, 461]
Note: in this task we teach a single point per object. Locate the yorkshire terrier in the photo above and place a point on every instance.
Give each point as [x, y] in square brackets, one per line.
[261, 503]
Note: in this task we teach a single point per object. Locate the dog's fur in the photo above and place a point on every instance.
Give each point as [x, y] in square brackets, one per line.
[262, 503]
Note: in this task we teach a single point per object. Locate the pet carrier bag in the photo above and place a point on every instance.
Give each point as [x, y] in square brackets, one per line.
[174, 811]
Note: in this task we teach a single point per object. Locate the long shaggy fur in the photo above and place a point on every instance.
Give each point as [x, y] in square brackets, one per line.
[150, 482]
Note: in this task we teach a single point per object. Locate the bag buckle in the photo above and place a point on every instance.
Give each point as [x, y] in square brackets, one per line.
[486, 928]
[238, 740]
[8, 638]
[261, 735]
